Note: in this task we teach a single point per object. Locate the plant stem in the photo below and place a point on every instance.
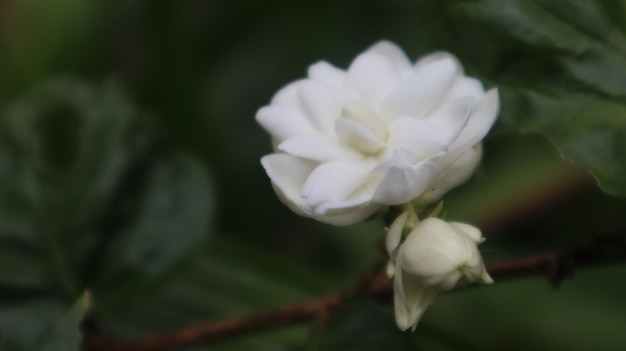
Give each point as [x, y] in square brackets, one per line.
[555, 266]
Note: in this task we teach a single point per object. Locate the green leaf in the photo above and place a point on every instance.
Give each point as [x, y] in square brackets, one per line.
[168, 222]
[65, 334]
[88, 199]
[560, 67]
[64, 148]
[231, 278]
[42, 327]
[362, 326]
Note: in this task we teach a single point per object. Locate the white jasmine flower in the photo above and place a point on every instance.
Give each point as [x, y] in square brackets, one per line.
[383, 132]
[436, 256]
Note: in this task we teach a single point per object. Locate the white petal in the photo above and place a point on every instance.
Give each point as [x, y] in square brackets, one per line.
[356, 208]
[433, 248]
[411, 300]
[439, 56]
[482, 118]
[397, 56]
[452, 115]
[321, 103]
[288, 96]
[469, 230]
[466, 87]
[349, 216]
[325, 72]
[357, 136]
[400, 303]
[460, 170]
[391, 269]
[318, 148]
[394, 234]
[403, 184]
[334, 182]
[455, 172]
[486, 278]
[288, 174]
[420, 137]
[373, 76]
[423, 90]
[283, 122]
[366, 116]
[398, 158]
[446, 281]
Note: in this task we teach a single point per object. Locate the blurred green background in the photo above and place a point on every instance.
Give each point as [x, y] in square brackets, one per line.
[129, 166]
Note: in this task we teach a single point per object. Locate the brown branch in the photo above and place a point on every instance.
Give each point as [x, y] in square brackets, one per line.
[555, 266]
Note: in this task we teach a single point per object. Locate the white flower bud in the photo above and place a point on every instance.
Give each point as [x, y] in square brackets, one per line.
[436, 256]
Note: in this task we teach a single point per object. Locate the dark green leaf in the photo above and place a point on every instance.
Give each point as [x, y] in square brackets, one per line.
[88, 199]
[42, 326]
[560, 67]
[362, 326]
[168, 222]
[65, 334]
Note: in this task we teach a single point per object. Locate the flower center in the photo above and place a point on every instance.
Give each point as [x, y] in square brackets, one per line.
[362, 128]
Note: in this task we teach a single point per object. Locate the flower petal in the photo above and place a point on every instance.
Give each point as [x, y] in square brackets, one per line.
[403, 184]
[452, 115]
[349, 215]
[469, 230]
[358, 136]
[323, 71]
[288, 96]
[366, 116]
[482, 118]
[424, 89]
[438, 56]
[400, 60]
[433, 248]
[411, 299]
[373, 76]
[457, 170]
[321, 103]
[318, 147]
[399, 158]
[420, 137]
[394, 234]
[283, 122]
[464, 87]
[289, 174]
[334, 182]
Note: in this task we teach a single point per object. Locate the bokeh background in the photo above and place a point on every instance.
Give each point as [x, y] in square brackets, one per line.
[130, 167]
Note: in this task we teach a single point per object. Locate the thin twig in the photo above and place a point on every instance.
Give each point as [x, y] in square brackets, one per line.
[555, 266]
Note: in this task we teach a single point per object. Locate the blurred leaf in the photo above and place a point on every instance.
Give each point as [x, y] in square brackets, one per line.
[54, 184]
[88, 199]
[169, 221]
[65, 334]
[59, 333]
[560, 67]
[231, 278]
[528, 314]
[236, 276]
[362, 326]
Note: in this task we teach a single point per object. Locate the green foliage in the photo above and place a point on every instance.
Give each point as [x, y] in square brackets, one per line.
[64, 334]
[362, 326]
[560, 67]
[88, 202]
[60, 334]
